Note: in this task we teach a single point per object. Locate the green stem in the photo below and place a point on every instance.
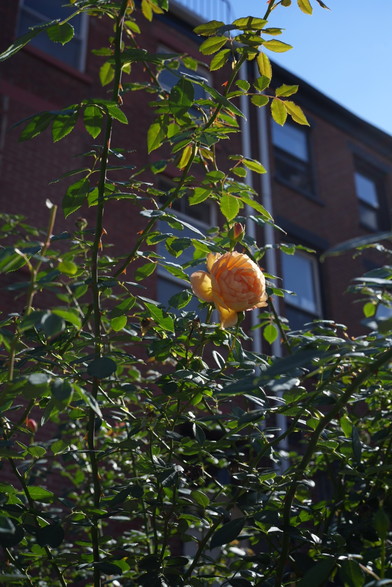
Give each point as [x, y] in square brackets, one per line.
[301, 467]
[33, 511]
[96, 303]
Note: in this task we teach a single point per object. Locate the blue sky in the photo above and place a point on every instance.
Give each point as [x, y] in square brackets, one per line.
[345, 52]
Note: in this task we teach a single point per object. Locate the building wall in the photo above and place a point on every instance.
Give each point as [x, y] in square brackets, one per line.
[32, 81]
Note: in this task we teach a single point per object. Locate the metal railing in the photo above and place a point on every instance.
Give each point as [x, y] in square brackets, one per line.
[208, 9]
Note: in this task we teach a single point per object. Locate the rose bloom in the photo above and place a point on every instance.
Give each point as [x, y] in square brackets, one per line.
[234, 284]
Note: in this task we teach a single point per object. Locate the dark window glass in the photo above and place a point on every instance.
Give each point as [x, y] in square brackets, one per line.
[36, 12]
[369, 203]
[300, 275]
[292, 158]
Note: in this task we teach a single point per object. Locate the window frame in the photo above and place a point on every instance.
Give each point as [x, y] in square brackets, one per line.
[305, 166]
[294, 301]
[164, 275]
[377, 177]
[80, 37]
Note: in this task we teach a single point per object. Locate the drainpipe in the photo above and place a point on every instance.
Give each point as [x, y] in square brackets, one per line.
[250, 225]
[269, 235]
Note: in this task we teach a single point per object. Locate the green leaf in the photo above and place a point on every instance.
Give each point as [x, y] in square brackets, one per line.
[209, 28]
[145, 271]
[106, 73]
[382, 523]
[264, 65]
[52, 324]
[305, 6]
[318, 573]
[61, 33]
[256, 206]
[63, 125]
[285, 90]
[118, 323]
[227, 532]
[62, 390]
[249, 23]
[254, 165]
[75, 196]
[369, 309]
[70, 315]
[277, 46]
[11, 259]
[199, 195]
[261, 83]
[278, 111]
[296, 112]
[350, 574]
[243, 84]
[270, 333]
[181, 97]
[185, 157]
[212, 45]
[40, 494]
[93, 118]
[164, 321]
[200, 498]
[67, 267]
[180, 299]
[24, 39]
[346, 425]
[116, 112]
[37, 124]
[219, 59]
[259, 100]
[102, 367]
[357, 242]
[156, 134]
[51, 535]
[229, 206]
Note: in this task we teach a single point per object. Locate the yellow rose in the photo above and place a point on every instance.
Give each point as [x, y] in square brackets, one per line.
[234, 284]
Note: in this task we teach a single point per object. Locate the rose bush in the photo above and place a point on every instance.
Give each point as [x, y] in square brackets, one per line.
[234, 284]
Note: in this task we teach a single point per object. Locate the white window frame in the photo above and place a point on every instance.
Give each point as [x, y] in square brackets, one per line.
[80, 37]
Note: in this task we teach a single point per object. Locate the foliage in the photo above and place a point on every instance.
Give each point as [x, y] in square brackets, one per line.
[142, 444]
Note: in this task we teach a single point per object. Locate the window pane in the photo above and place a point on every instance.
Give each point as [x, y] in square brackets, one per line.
[294, 171]
[366, 189]
[299, 277]
[35, 12]
[291, 139]
[368, 216]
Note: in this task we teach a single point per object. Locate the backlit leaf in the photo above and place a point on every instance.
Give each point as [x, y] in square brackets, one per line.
[264, 65]
[219, 59]
[278, 111]
[229, 206]
[277, 46]
[305, 6]
[61, 33]
[296, 113]
[212, 45]
[92, 118]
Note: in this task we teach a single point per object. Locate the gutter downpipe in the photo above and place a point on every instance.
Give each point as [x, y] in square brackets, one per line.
[269, 235]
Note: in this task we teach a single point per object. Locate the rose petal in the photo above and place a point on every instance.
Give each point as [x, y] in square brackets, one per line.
[201, 285]
[227, 317]
[211, 258]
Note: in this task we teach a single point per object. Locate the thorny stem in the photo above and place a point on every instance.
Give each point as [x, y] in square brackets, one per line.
[31, 291]
[301, 467]
[31, 503]
[95, 530]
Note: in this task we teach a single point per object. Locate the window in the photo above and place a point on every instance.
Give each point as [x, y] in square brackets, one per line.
[35, 12]
[201, 217]
[170, 77]
[300, 275]
[292, 157]
[368, 189]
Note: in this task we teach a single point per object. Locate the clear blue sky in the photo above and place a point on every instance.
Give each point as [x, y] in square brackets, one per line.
[345, 52]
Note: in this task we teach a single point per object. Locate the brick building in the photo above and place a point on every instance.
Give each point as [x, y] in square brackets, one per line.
[326, 183]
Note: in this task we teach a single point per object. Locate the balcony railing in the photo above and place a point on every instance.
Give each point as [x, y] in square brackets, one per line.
[207, 9]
